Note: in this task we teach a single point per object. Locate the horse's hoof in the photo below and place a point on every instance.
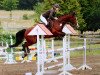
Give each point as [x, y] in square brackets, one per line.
[24, 56]
[35, 55]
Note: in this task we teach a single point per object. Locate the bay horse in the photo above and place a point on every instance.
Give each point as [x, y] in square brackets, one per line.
[55, 27]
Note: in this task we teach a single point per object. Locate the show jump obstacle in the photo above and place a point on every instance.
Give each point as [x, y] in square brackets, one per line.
[66, 53]
[70, 31]
[10, 56]
[41, 30]
[7, 55]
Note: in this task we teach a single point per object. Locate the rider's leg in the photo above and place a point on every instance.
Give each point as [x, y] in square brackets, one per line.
[43, 20]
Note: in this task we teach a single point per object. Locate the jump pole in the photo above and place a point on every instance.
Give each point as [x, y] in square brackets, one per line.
[52, 51]
[10, 57]
[84, 66]
[68, 30]
[53, 57]
[39, 57]
[36, 31]
[40, 30]
[64, 72]
[68, 65]
[42, 53]
[45, 52]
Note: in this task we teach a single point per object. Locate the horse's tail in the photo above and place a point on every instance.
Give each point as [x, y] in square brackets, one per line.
[19, 38]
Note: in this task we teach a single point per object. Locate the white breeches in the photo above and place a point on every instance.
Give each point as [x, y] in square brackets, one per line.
[43, 20]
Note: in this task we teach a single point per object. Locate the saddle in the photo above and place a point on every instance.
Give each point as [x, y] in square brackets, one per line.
[49, 25]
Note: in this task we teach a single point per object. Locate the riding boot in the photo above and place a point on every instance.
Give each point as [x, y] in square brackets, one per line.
[48, 25]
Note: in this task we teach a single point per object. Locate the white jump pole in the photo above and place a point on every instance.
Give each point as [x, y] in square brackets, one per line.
[12, 60]
[64, 58]
[40, 58]
[84, 66]
[1, 43]
[42, 53]
[69, 66]
[45, 52]
[53, 57]
[10, 57]
[11, 43]
[52, 47]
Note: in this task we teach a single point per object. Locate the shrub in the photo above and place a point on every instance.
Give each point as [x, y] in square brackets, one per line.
[25, 17]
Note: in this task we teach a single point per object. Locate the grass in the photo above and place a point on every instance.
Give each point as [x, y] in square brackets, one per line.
[17, 22]
[16, 14]
[81, 52]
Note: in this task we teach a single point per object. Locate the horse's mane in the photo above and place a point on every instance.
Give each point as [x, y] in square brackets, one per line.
[73, 13]
[64, 17]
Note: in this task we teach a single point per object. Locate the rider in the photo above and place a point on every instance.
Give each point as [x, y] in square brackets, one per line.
[50, 14]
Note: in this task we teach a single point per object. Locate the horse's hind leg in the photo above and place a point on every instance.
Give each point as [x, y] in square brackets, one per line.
[28, 50]
[25, 51]
[19, 38]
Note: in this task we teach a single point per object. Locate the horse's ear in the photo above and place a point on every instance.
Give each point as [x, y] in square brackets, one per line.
[73, 13]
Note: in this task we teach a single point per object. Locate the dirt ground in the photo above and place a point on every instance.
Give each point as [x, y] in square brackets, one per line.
[22, 68]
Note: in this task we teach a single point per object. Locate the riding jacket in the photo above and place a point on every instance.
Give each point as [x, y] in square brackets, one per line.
[50, 14]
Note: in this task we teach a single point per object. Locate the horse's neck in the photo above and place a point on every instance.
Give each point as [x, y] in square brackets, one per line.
[64, 19]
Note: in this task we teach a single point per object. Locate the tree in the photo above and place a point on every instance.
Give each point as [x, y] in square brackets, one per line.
[9, 5]
[93, 20]
[28, 4]
[66, 7]
[1, 4]
[91, 14]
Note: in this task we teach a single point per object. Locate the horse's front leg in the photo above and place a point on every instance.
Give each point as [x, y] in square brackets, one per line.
[61, 34]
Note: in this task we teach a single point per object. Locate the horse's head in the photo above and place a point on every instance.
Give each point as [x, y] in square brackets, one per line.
[69, 18]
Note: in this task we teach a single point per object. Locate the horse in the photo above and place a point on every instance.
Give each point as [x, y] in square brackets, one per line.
[55, 26]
